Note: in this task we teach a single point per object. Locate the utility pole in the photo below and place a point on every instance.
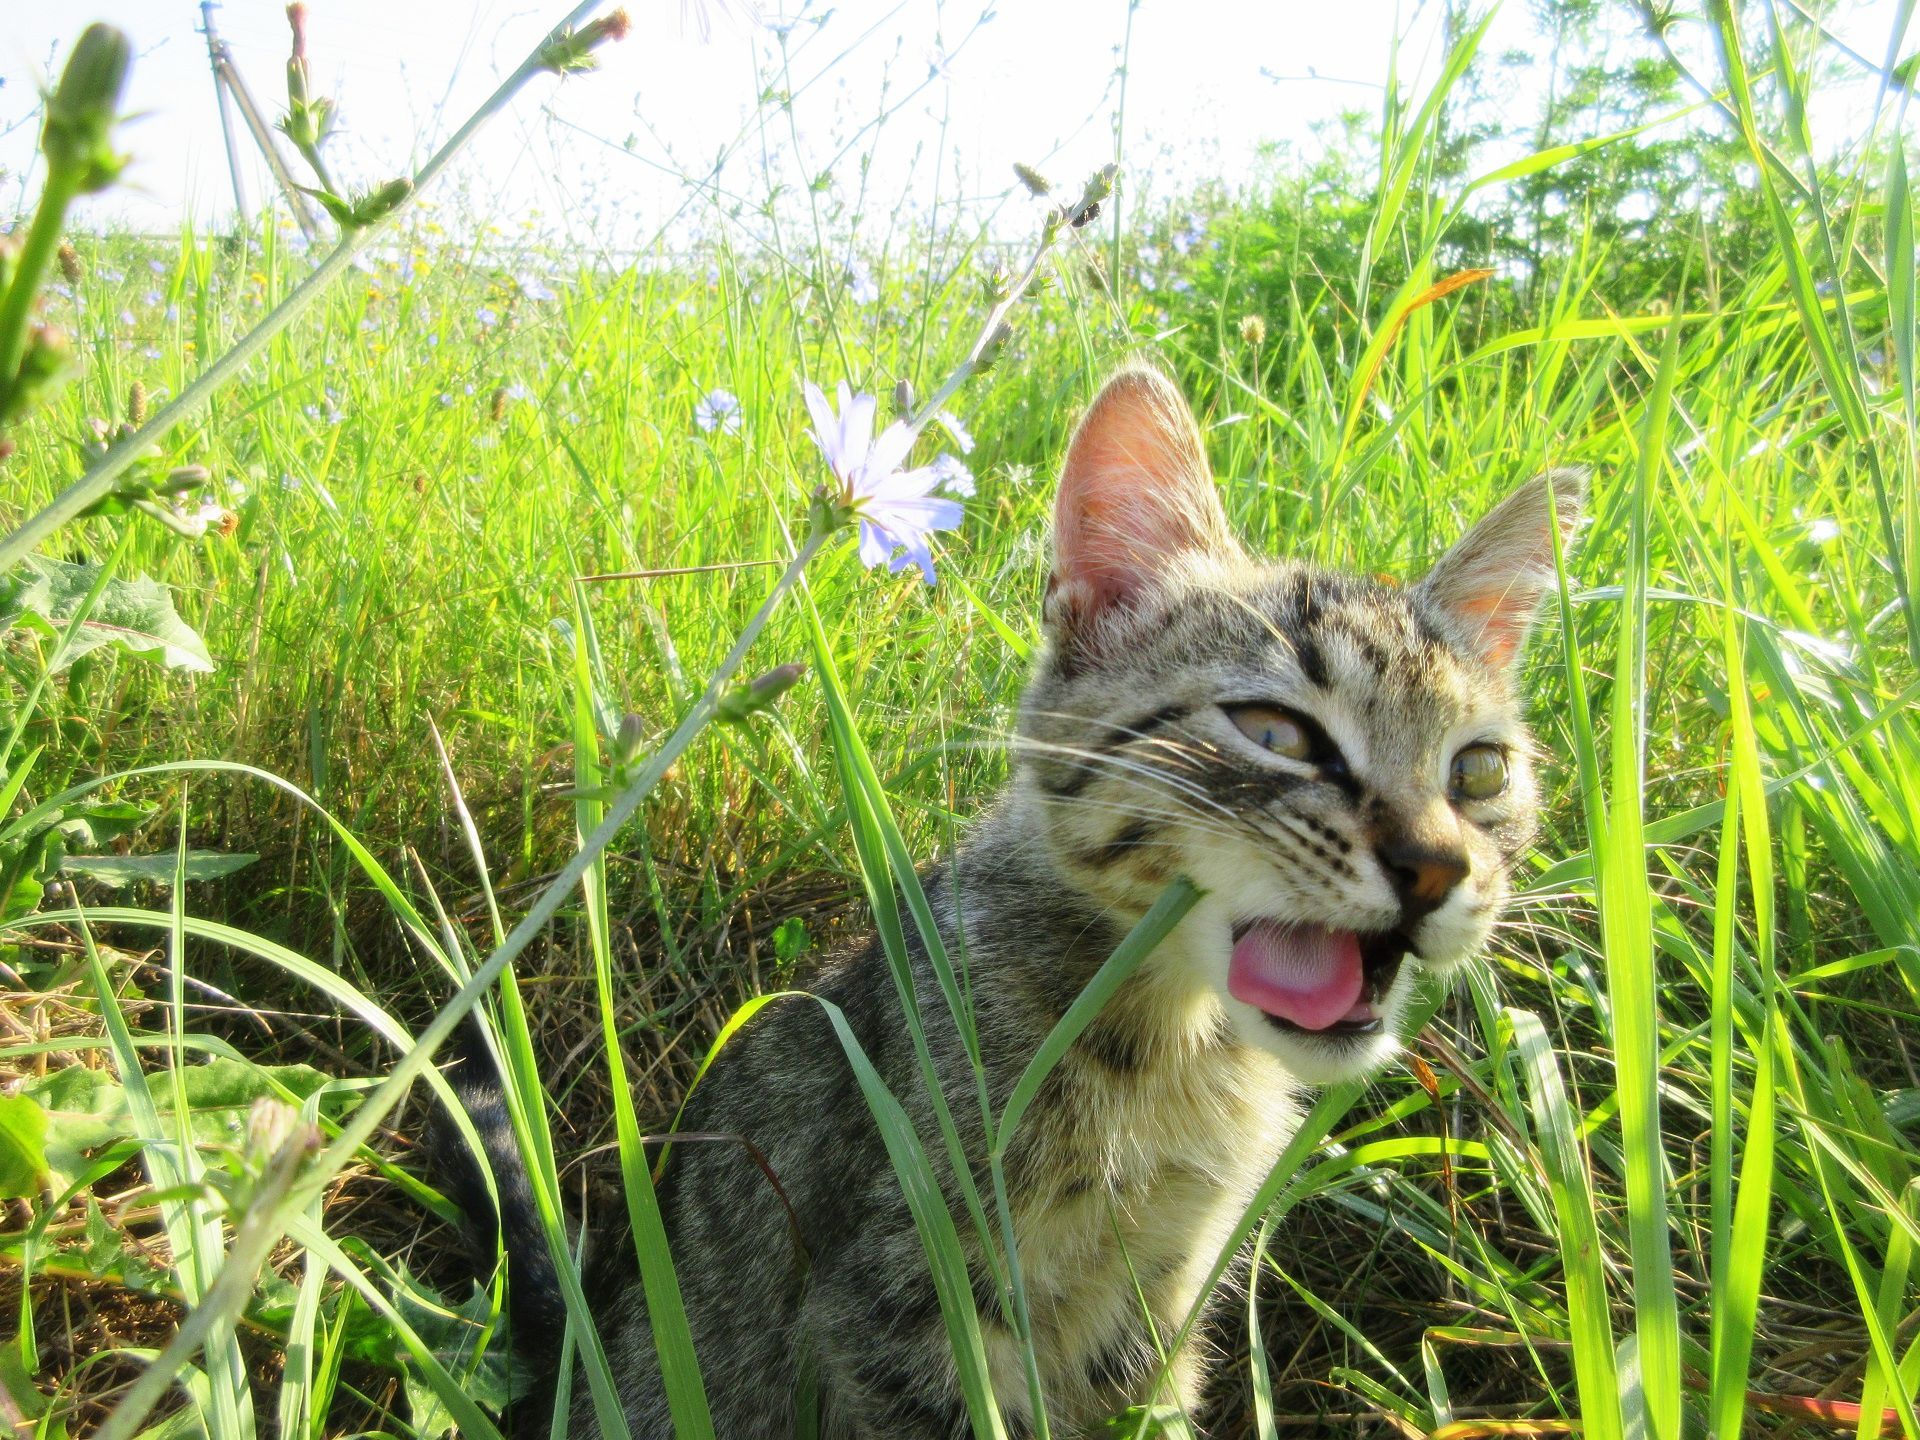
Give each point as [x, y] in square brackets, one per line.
[214, 46]
[226, 80]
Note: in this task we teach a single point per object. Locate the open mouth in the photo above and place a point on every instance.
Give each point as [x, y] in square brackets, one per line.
[1309, 978]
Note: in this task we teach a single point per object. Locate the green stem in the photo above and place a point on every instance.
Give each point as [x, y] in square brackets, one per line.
[98, 482]
[970, 366]
[43, 240]
[311, 153]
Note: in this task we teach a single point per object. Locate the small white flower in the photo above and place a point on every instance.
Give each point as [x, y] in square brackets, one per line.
[718, 410]
[534, 288]
[896, 508]
[952, 476]
[950, 423]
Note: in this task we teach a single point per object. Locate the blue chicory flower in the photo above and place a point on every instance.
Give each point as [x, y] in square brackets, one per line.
[718, 410]
[897, 509]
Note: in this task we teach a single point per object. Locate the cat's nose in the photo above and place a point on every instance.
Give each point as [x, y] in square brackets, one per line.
[1423, 874]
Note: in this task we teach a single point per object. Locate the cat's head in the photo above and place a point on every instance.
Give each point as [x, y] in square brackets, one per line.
[1339, 762]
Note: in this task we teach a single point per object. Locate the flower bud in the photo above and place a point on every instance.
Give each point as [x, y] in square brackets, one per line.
[69, 260]
[903, 398]
[568, 50]
[44, 367]
[80, 112]
[297, 60]
[758, 693]
[497, 404]
[270, 1124]
[1099, 187]
[989, 355]
[628, 741]
[382, 202]
[1036, 183]
[1253, 330]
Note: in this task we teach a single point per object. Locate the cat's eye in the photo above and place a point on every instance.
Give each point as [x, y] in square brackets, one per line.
[1479, 773]
[1273, 729]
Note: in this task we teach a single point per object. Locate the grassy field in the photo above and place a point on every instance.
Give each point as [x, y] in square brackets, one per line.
[1652, 1169]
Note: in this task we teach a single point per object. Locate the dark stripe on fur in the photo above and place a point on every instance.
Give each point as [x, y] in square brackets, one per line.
[1130, 837]
[1121, 735]
[536, 1311]
[1069, 775]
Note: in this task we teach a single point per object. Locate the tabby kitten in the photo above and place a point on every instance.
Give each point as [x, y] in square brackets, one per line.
[1339, 764]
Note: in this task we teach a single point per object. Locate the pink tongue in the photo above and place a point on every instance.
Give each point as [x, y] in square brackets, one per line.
[1301, 973]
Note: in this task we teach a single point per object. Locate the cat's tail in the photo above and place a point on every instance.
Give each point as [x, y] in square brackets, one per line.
[536, 1310]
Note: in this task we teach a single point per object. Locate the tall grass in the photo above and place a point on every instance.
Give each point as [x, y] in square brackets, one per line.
[1650, 1171]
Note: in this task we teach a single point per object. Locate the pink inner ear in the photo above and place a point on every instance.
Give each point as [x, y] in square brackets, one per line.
[1503, 623]
[1134, 494]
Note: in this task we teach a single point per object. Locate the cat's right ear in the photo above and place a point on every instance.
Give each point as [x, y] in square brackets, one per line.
[1136, 497]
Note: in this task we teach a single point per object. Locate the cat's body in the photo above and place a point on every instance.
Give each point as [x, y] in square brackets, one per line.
[1312, 750]
[1149, 1132]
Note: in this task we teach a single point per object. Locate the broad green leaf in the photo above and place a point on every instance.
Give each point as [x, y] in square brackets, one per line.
[86, 1109]
[118, 871]
[135, 615]
[23, 1146]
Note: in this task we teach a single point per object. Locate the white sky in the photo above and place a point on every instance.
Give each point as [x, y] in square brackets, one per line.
[1034, 84]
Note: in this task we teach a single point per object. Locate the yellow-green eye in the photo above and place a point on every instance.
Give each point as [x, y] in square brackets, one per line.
[1273, 730]
[1479, 772]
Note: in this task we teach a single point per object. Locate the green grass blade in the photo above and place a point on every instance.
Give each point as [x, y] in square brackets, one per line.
[1588, 1312]
[1169, 910]
[666, 1309]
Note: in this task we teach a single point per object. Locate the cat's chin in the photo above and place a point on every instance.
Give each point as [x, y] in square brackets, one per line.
[1325, 1003]
[1350, 1049]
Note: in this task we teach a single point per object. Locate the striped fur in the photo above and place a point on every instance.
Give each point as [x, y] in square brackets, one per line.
[1146, 1142]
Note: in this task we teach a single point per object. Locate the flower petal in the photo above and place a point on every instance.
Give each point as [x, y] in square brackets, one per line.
[875, 544]
[826, 431]
[884, 489]
[856, 430]
[916, 554]
[911, 521]
[888, 453]
[953, 476]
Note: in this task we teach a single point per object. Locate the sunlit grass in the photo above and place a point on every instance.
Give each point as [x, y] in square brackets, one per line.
[1661, 1140]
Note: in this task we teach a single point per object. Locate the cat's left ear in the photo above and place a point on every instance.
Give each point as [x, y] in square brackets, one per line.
[1491, 582]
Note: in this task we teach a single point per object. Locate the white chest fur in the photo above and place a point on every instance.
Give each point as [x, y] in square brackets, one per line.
[1150, 1172]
